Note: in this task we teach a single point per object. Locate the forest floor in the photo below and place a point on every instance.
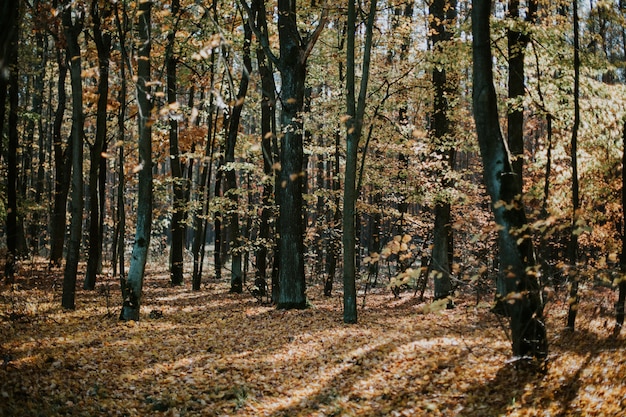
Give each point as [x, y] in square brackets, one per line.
[211, 353]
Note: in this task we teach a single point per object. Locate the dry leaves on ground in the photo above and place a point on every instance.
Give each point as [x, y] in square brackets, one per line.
[210, 353]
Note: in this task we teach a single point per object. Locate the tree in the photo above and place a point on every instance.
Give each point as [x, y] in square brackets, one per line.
[62, 160]
[291, 63]
[354, 128]
[574, 232]
[9, 52]
[73, 19]
[177, 227]
[102, 39]
[518, 285]
[443, 14]
[236, 280]
[133, 284]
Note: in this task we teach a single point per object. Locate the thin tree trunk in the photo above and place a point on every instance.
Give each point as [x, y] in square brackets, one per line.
[573, 243]
[103, 46]
[621, 287]
[268, 132]
[354, 126]
[236, 278]
[133, 285]
[62, 168]
[120, 245]
[12, 214]
[179, 185]
[73, 26]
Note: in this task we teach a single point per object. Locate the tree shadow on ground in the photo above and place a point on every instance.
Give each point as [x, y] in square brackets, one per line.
[499, 394]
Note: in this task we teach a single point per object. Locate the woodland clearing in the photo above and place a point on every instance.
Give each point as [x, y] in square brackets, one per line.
[211, 353]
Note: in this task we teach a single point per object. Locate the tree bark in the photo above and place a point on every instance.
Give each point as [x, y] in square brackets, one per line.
[133, 285]
[443, 14]
[518, 286]
[573, 242]
[268, 133]
[13, 84]
[62, 167]
[103, 46]
[354, 127]
[179, 185]
[236, 278]
[294, 52]
[72, 27]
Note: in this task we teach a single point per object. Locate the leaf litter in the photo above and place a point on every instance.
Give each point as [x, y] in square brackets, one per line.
[211, 353]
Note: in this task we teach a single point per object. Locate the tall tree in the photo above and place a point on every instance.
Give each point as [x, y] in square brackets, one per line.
[62, 162]
[9, 52]
[518, 285]
[442, 16]
[102, 39]
[178, 227]
[354, 128]
[292, 62]
[268, 137]
[73, 20]
[573, 242]
[236, 280]
[620, 305]
[133, 284]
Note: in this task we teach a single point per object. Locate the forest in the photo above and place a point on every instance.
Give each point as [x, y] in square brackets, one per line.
[312, 208]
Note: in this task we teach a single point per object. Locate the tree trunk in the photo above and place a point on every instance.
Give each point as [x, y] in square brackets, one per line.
[62, 168]
[354, 127]
[73, 26]
[236, 278]
[573, 243]
[38, 221]
[12, 214]
[294, 52]
[517, 41]
[268, 132]
[133, 285]
[103, 46]
[518, 286]
[443, 14]
[621, 286]
[179, 185]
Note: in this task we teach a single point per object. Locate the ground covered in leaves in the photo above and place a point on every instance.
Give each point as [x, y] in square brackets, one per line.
[211, 353]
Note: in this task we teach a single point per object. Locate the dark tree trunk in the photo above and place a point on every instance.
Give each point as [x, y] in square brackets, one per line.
[517, 41]
[443, 14]
[236, 278]
[96, 203]
[179, 185]
[73, 26]
[62, 168]
[354, 127]
[333, 251]
[294, 51]
[518, 286]
[12, 214]
[268, 132]
[133, 285]
[573, 242]
[217, 224]
[120, 243]
[621, 297]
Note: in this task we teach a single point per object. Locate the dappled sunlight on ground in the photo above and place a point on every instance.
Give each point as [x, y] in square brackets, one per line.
[211, 353]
